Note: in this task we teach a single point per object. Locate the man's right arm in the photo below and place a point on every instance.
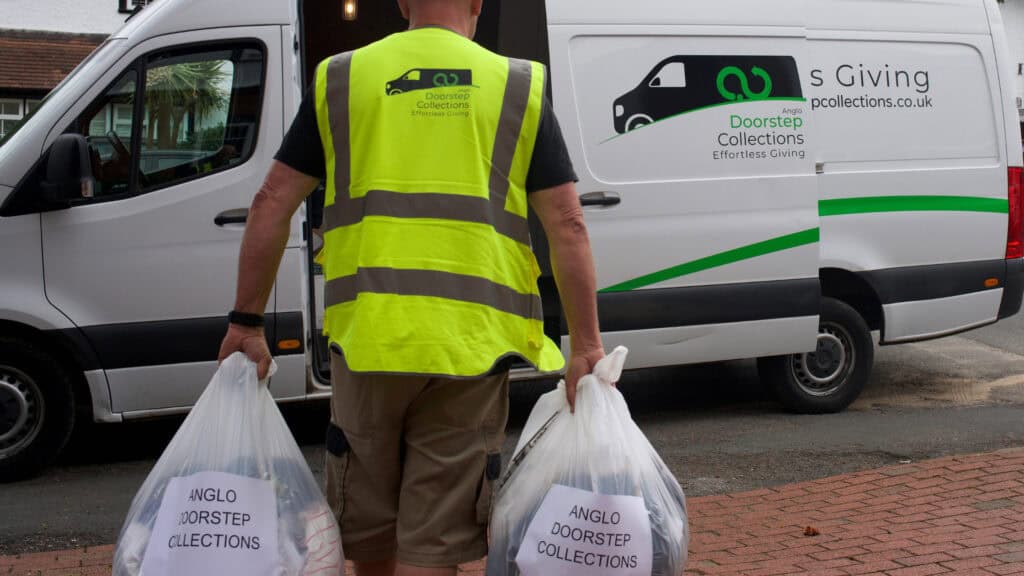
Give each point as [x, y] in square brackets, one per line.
[561, 215]
[298, 168]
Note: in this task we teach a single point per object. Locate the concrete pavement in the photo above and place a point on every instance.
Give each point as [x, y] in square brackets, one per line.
[960, 515]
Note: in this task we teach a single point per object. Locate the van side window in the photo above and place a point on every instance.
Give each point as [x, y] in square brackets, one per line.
[107, 127]
[201, 112]
[671, 75]
[196, 112]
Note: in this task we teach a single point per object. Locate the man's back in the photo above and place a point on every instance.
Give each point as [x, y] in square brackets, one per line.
[408, 137]
[429, 139]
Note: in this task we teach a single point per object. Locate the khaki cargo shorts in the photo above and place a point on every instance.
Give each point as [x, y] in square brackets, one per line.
[410, 464]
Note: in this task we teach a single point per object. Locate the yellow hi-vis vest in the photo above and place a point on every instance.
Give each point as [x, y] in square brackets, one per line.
[428, 266]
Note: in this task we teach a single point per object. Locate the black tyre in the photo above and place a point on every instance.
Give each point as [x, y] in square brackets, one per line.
[831, 377]
[37, 409]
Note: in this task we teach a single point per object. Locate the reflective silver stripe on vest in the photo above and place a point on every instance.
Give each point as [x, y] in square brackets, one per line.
[433, 283]
[510, 125]
[338, 72]
[431, 205]
[346, 211]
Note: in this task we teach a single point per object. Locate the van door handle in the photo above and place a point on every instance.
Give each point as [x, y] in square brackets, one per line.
[600, 199]
[236, 216]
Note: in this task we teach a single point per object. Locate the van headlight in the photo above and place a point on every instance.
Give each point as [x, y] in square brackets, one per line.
[619, 110]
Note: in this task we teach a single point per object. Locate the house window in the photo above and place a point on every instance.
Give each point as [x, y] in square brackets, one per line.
[10, 115]
[31, 105]
[123, 119]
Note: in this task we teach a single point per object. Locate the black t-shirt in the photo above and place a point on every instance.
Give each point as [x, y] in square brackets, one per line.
[549, 167]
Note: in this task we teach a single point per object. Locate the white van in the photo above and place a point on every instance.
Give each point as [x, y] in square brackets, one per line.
[772, 180]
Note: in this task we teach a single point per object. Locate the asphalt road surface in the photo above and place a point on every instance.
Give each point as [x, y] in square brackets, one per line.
[713, 425]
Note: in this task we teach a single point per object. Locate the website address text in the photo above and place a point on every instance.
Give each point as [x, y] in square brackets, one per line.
[870, 102]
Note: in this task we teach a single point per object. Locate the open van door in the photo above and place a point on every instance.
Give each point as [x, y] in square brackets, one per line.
[692, 145]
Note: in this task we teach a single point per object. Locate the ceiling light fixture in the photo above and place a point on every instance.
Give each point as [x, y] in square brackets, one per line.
[350, 10]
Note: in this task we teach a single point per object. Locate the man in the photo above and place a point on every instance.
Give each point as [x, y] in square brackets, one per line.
[429, 145]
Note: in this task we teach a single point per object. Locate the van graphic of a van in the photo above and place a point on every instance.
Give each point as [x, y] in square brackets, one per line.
[428, 78]
[680, 84]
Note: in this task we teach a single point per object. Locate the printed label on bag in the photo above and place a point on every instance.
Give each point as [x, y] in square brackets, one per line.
[214, 524]
[580, 533]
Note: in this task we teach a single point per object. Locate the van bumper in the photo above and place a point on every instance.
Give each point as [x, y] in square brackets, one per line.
[1013, 288]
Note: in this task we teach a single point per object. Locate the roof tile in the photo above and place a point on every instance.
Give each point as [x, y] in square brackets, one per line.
[35, 60]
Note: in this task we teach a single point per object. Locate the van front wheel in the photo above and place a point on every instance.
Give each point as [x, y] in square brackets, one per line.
[638, 121]
[832, 376]
[37, 410]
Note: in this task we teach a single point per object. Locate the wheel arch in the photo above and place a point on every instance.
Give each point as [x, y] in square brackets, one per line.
[855, 291]
[69, 348]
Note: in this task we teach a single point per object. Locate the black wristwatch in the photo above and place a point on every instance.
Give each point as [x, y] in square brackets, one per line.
[245, 319]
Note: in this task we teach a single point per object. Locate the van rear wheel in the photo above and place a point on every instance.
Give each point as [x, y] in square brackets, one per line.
[37, 410]
[832, 376]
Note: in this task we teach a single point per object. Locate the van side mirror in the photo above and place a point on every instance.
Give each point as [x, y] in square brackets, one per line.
[68, 171]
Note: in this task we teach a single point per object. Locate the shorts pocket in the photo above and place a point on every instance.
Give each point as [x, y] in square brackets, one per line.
[336, 465]
[492, 470]
[337, 442]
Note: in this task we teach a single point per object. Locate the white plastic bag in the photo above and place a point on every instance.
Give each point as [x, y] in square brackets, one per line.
[586, 493]
[231, 495]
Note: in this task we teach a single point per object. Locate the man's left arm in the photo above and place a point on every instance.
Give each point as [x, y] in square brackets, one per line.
[552, 195]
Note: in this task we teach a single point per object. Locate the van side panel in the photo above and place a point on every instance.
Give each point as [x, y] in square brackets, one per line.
[941, 316]
[951, 16]
[701, 133]
[931, 16]
[709, 342]
[913, 171]
[22, 299]
[290, 298]
[290, 292]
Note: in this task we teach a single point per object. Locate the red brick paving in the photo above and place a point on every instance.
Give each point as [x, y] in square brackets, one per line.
[961, 515]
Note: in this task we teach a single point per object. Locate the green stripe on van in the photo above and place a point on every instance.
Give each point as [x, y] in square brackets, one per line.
[841, 206]
[836, 207]
[721, 259]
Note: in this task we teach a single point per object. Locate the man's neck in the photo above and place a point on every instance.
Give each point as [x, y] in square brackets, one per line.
[454, 24]
[441, 26]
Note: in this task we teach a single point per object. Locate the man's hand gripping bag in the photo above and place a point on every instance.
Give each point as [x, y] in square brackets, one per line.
[231, 494]
[586, 494]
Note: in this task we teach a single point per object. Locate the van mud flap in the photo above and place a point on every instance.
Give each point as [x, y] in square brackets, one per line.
[1013, 288]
